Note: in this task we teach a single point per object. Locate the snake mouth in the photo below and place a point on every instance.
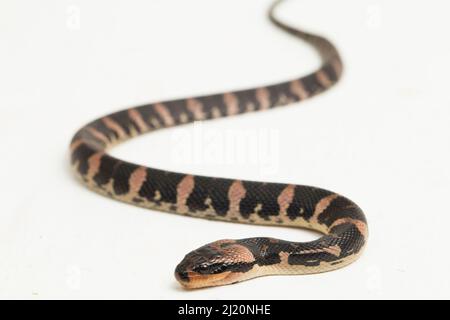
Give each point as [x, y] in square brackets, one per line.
[194, 280]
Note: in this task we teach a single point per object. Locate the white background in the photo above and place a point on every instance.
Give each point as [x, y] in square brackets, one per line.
[381, 137]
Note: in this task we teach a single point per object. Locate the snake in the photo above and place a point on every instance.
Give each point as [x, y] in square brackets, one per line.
[341, 223]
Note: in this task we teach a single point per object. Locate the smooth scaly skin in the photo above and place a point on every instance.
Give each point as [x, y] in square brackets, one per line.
[228, 261]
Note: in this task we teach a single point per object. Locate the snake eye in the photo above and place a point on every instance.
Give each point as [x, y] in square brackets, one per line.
[201, 268]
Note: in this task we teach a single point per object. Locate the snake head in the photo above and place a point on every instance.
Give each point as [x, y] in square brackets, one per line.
[218, 263]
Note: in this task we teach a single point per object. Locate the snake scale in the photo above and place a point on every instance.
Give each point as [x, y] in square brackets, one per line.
[341, 221]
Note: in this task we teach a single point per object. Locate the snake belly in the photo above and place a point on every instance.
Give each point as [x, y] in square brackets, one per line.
[341, 221]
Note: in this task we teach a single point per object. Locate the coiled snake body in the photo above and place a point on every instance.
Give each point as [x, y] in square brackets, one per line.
[228, 261]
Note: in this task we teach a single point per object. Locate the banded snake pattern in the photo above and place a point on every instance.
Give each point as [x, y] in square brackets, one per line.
[341, 221]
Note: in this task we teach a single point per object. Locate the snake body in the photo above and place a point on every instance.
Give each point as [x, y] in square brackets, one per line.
[229, 261]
